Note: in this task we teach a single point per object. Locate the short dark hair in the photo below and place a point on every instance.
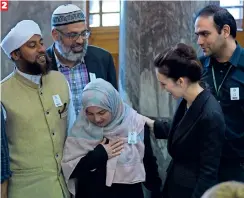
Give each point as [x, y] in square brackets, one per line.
[179, 61]
[221, 17]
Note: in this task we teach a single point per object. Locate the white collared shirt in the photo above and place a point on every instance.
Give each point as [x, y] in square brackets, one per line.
[33, 78]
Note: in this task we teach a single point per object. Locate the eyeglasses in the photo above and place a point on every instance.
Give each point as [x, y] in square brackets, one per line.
[74, 36]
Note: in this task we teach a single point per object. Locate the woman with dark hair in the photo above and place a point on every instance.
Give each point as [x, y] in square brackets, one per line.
[196, 134]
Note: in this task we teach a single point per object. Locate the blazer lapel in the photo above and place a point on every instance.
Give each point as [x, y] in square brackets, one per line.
[179, 114]
[185, 120]
[51, 57]
[88, 62]
[92, 66]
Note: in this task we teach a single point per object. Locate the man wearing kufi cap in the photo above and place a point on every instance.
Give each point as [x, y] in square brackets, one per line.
[71, 54]
[39, 112]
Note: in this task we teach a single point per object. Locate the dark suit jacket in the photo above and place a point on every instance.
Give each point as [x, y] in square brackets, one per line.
[97, 60]
[195, 141]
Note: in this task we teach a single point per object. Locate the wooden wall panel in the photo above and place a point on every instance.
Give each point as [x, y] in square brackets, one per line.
[108, 39]
[240, 34]
[240, 38]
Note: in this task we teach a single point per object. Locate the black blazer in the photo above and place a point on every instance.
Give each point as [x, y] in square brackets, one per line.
[91, 184]
[195, 140]
[97, 60]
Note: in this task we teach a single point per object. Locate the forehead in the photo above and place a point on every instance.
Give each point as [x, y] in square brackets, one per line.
[34, 38]
[161, 77]
[76, 27]
[204, 23]
[94, 109]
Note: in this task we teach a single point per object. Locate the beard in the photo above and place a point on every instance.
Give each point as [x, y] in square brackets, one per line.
[69, 53]
[35, 68]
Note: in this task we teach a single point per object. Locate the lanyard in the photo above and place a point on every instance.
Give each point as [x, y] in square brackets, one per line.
[214, 80]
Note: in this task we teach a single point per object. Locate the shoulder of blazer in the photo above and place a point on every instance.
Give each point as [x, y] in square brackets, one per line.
[212, 107]
[93, 51]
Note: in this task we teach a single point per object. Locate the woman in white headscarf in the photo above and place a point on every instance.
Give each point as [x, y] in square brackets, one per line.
[104, 155]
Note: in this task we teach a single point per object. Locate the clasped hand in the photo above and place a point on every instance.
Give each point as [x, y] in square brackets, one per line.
[113, 148]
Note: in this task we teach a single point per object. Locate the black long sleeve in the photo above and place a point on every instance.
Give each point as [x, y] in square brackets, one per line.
[93, 160]
[153, 181]
[162, 128]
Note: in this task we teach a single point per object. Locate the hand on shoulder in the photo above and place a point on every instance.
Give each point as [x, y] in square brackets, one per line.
[149, 122]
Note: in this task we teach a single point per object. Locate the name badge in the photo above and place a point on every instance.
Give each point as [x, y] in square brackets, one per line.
[92, 76]
[234, 93]
[57, 101]
[132, 138]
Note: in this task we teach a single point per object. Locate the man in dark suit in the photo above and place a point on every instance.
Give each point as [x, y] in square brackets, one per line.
[223, 73]
[71, 54]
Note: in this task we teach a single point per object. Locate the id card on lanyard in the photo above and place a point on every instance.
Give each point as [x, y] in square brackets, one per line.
[214, 80]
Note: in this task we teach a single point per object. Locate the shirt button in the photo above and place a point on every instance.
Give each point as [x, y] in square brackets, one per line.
[219, 101]
[53, 134]
[76, 97]
[47, 112]
[74, 82]
[56, 155]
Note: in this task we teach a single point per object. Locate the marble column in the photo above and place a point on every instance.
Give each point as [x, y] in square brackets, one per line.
[148, 27]
[39, 11]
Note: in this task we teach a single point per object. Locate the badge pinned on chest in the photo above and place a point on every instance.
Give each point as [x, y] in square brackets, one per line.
[234, 93]
[57, 101]
[132, 137]
[92, 76]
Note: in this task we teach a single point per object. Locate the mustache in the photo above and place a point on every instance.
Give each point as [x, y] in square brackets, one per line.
[42, 54]
[77, 45]
[69, 52]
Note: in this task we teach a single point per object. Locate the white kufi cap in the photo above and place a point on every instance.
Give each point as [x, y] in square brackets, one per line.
[19, 35]
[67, 14]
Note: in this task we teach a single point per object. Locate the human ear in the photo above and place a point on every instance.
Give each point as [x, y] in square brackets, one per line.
[15, 55]
[226, 31]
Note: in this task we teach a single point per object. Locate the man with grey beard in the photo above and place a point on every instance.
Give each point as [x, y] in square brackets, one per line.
[71, 54]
